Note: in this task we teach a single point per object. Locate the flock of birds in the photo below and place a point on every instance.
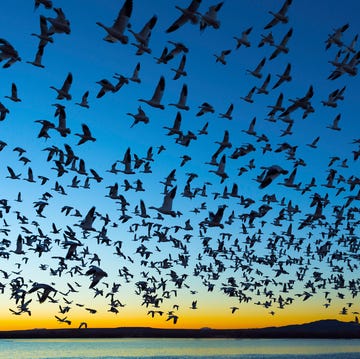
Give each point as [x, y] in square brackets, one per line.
[272, 252]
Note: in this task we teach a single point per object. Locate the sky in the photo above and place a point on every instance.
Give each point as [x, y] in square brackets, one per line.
[274, 254]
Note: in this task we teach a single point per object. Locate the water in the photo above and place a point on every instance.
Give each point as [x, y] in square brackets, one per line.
[180, 348]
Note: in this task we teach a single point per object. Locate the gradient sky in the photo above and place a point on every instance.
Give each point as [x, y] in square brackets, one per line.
[259, 284]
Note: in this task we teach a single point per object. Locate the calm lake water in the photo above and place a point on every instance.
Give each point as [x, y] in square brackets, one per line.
[179, 348]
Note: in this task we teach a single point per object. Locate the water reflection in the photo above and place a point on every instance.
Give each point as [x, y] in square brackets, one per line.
[95, 348]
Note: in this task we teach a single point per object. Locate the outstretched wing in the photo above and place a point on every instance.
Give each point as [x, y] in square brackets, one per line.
[123, 17]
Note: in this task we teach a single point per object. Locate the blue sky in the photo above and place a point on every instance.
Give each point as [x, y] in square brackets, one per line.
[90, 59]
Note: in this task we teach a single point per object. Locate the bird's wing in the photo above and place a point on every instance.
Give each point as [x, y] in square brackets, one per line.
[86, 130]
[286, 37]
[11, 171]
[182, 62]
[272, 23]
[181, 20]
[183, 94]
[142, 208]
[194, 5]
[67, 82]
[159, 91]
[285, 6]
[146, 30]
[168, 199]
[260, 65]
[85, 96]
[124, 16]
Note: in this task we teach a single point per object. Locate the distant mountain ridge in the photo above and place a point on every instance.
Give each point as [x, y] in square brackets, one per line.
[329, 328]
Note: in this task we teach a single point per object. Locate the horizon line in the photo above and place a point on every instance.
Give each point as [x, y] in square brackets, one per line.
[178, 329]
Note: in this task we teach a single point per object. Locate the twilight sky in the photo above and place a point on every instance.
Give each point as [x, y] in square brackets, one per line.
[264, 202]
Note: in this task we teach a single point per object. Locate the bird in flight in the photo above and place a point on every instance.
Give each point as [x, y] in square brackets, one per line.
[187, 14]
[116, 32]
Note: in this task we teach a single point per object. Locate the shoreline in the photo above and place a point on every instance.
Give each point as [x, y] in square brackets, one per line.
[324, 329]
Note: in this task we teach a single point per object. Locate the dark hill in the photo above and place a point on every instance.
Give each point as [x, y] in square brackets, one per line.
[316, 330]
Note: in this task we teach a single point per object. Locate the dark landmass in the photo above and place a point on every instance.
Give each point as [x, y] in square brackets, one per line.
[317, 330]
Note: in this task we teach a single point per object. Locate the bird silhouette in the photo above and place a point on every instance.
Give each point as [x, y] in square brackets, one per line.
[116, 31]
[187, 14]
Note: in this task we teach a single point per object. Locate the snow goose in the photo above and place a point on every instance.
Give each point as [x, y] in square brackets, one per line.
[157, 96]
[282, 46]
[335, 37]
[46, 288]
[266, 39]
[243, 40]
[38, 57]
[178, 48]
[63, 92]
[106, 86]
[187, 14]
[263, 88]
[14, 95]
[248, 98]
[210, 17]
[97, 274]
[85, 136]
[166, 207]
[205, 107]
[127, 162]
[175, 129]
[228, 113]
[271, 173]
[221, 58]
[61, 128]
[84, 100]
[335, 124]
[59, 24]
[221, 169]
[140, 116]
[143, 37]
[180, 70]
[181, 105]
[257, 71]
[279, 16]
[116, 31]
[8, 52]
[285, 76]
[135, 75]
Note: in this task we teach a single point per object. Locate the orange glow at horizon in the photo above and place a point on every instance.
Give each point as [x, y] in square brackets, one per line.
[245, 317]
